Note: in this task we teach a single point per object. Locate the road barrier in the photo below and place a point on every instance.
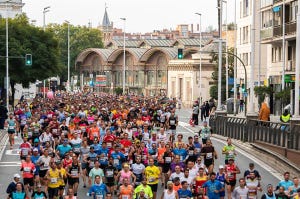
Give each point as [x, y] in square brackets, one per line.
[277, 134]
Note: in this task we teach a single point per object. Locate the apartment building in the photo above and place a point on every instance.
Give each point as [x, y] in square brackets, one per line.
[244, 14]
[272, 34]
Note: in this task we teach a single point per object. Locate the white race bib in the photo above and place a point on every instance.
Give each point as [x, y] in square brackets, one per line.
[53, 180]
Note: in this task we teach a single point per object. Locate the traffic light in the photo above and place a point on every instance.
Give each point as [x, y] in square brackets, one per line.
[28, 59]
[180, 53]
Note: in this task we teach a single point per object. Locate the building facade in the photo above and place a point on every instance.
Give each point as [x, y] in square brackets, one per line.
[10, 8]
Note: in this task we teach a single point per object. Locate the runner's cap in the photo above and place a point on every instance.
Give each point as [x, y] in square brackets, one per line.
[17, 175]
[221, 167]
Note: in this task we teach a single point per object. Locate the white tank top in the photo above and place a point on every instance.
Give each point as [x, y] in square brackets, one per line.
[169, 196]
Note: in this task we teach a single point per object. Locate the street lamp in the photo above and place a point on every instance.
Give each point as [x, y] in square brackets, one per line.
[252, 60]
[7, 66]
[200, 59]
[46, 9]
[124, 58]
[226, 68]
[297, 72]
[68, 83]
[220, 57]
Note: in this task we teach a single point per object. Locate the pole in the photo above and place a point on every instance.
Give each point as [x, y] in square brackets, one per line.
[69, 86]
[46, 9]
[124, 58]
[297, 65]
[226, 54]
[252, 59]
[283, 45]
[235, 62]
[200, 60]
[7, 64]
[220, 58]
[259, 51]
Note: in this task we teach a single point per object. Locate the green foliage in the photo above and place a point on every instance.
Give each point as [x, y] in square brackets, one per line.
[214, 89]
[118, 91]
[81, 37]
[262, 92]
[27, 39]
[284, 96]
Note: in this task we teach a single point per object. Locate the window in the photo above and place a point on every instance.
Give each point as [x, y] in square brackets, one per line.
[266, 19]
[277, 17]
[265, 3]
[245, 36]
[293, 10]
[276, 54]
[245, 59]
[246, 8]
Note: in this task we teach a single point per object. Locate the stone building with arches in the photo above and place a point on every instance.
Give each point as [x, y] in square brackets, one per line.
[151, 68]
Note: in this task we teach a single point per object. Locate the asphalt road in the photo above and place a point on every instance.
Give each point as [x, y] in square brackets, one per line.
[10, 163]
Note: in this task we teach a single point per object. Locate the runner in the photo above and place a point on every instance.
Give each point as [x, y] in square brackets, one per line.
[12, 124]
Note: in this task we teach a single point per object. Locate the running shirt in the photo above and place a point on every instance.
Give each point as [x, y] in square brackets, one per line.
[152, 174]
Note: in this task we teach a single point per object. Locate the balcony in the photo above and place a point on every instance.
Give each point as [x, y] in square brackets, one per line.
[277, 1]
[290, 28]
[266, 33]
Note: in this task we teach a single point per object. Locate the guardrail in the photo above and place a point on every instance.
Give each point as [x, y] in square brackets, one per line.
[248, 130]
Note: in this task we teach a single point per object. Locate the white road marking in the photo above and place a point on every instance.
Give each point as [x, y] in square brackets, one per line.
[13, 152]
[244, 153]
[10, 164]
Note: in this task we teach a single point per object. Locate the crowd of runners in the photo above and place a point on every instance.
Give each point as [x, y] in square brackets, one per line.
[123, 147]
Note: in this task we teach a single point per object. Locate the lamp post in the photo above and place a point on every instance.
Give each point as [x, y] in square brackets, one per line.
[200, 60]
[68, 83]
[7, 66]
[296, 112]
[220, 57]
[252, 60]
[235, 62]
[124, 58]
[226, 68]
[46, 9]
[283, 45]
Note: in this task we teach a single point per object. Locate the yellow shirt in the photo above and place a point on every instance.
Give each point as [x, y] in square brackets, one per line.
[61, 180]
[54, 177]
[152, 174]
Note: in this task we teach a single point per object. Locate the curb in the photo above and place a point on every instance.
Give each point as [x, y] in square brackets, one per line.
[3, 142]
[277, 156]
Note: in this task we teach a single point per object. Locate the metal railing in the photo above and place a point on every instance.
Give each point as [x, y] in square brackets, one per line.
[274, 133]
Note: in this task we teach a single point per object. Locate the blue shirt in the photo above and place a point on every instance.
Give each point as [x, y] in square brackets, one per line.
[118, 162]
[63, 149]
[211, 187]
[98, 190]
[184, 193]
[181, 152]
[285, 184]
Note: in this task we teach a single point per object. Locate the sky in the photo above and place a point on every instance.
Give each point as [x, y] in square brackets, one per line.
[141, 15]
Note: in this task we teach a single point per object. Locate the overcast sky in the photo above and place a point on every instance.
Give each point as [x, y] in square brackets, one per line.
[141, 15]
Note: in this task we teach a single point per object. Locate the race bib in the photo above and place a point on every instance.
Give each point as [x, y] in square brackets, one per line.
[99, 196]
[53, 180]
[116, 161]
[125, 196]
[49, 115]
[191, 152]
[29, 134]
[24, 152]
[151, 179]
[54, 131]
[172, 122]
[76, 150]
[109, 173]
[36, 130]
[168, 159]
[11, 128]
[109, 144]
[74, 173]
[23, 122]
[208, 155]
[27, 169]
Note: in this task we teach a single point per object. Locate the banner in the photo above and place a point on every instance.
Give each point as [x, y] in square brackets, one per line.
[100, 80]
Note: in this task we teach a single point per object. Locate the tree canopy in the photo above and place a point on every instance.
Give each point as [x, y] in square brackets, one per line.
[81, 37]
[24, 38]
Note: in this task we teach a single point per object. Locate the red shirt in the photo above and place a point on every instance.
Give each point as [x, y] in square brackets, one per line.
[28, 169]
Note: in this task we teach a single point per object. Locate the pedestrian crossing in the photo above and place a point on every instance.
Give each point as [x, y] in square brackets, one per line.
[10, 164]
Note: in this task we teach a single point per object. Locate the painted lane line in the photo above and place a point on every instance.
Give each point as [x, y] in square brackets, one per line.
[269, 169]
[18, 163]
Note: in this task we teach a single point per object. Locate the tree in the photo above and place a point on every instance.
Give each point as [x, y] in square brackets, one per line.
[27, 39]
[214, 89]
[81, 37]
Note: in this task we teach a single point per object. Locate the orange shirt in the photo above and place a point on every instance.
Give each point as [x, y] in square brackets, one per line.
[176, 188]
[94, 132]
[126, 191]
[160, 152]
